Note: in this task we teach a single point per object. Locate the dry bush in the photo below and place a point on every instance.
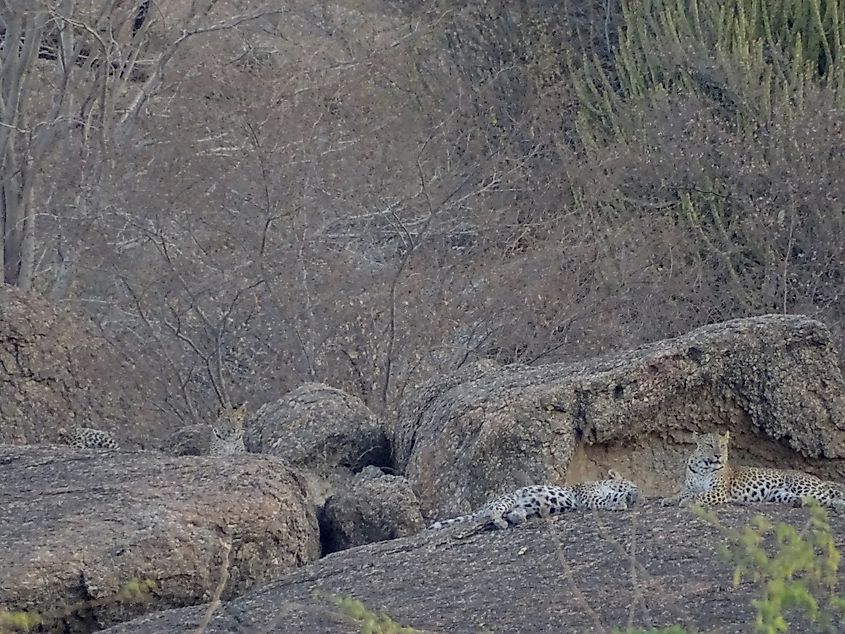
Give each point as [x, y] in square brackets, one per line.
[369, 193]
[729, 127]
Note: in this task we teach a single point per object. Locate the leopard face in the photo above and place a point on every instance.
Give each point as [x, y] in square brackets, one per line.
[707, 462]
[234, 416]
[228, 431]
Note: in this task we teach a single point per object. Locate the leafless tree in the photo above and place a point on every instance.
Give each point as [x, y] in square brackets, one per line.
[77, 74]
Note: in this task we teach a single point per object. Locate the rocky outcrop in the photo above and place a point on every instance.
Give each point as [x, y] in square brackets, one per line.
[591, 572]
[323, 432]
[374, 507]
[79, 527]
[772, 380]
[87, 525]
[57, 370]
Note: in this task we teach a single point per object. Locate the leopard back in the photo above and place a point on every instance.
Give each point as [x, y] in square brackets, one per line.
[613, 493]
[537, 500]
[88, 438]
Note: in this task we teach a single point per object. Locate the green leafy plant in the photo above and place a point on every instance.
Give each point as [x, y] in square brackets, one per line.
[18, 621]
[797, 571]
[371, 622]
[672, 629]
[755, 60]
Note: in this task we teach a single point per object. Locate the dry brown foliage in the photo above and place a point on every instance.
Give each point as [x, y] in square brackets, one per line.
[368, 193]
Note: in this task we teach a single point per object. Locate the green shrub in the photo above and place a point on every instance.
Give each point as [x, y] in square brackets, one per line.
[797, 571]
[755, 60]
[134, 591]
[672, 629]
[18, 621]
[371, 622]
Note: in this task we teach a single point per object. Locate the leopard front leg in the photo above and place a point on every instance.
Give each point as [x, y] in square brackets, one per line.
[837, 505]
[675, 500]
[516, 516]
[706, 498]
[499, 522]
[833, 503]
[616, 504]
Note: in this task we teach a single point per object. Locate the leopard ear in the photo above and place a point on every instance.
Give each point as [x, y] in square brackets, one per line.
[613, 474]
[727, 437]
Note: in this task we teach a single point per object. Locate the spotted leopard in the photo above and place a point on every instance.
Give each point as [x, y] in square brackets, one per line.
[542, 500]
[228, 437]
[614, 493]
[88, 438]
[711, 479]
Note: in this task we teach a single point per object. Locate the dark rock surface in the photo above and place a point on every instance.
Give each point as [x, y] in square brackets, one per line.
[77, 526]
[191, 440]
[773, 381]
[415, 408]
[590, 572]
[372, 508]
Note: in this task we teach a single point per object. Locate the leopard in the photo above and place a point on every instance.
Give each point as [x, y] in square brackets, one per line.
[88, 438]
[710, 480]
[543, 500]
[614, 493]
[228, 431]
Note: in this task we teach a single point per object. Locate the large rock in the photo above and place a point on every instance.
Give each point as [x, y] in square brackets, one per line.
[373, 508]
[191, 440]
[78, 526]
[56, 370]
[319, 428]
[415, 408]
[773, 381]
[590, 572]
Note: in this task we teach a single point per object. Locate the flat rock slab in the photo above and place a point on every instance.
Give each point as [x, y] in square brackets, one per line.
[78, 526]
[649, 567]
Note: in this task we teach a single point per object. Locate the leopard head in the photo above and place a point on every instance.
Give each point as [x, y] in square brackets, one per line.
[234, 416]
[711, 453]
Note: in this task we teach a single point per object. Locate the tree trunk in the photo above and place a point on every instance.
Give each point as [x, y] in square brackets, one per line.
[17, 224]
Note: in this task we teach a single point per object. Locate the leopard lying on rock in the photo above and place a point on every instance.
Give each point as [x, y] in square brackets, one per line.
[710, 479]
[88, 438]
[542, 500]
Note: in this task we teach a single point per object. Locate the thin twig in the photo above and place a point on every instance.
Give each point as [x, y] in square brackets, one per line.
[218, 591]
[567, 571]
